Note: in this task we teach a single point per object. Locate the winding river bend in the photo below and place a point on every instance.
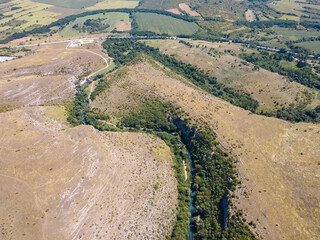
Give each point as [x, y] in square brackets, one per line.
[184, 132]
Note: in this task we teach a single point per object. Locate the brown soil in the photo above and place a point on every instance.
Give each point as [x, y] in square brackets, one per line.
[187, 9]
[278, 162]
[123, 26]
[175, 11]
[249, 15]
[36, 90]
[21, 40]
[77, 183]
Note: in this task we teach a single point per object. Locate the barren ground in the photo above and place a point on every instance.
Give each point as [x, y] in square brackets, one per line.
[249, 15]
[174, 10]
[278, 161]
[188, 10]
[123, 26]
[46, 74]
[77, 183]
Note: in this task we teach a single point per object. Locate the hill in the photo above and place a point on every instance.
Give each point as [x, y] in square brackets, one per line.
[276, 160]
[65, 183]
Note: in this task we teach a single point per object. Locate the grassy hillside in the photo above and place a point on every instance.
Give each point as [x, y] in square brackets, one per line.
[271, 90]
[270, 152]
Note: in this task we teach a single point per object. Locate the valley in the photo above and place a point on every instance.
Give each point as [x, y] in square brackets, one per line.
[159, 119]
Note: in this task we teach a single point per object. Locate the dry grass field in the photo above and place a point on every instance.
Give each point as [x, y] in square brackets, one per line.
[113, 4]
[270, 89]
[278, 162]
[58, 182]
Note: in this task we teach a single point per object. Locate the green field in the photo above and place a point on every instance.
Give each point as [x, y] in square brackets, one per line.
[291, 6]
[107, 70]
[70, 3]
[288, 34]
[79, 4]
[313, 46]
[164, 24]
[111, 18]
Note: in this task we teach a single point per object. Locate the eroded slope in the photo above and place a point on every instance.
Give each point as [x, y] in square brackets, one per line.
[77, 183]
[46, 74]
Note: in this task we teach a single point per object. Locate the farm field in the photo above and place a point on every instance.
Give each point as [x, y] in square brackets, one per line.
[277, 161]
[164, 24]
[292, 6]
[91, 4]
[69, 3]
[288, 34]
[312, 45]
[112, 18]
[113, 4]
[289, 17]
[27, 14]
[269, 89]
[162, 5]
[186, 8]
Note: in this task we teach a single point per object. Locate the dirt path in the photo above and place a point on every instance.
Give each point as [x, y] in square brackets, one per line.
[108, 61]
[185, 170]
[107, 123]
[92, 74]
[91, 90]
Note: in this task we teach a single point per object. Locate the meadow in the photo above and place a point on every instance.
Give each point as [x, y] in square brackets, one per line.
[164, 24]
[111, 18]
[288, 34]
[27, 13]
[312, 45]
[290, 6]
[91, 4]
[113, 4]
